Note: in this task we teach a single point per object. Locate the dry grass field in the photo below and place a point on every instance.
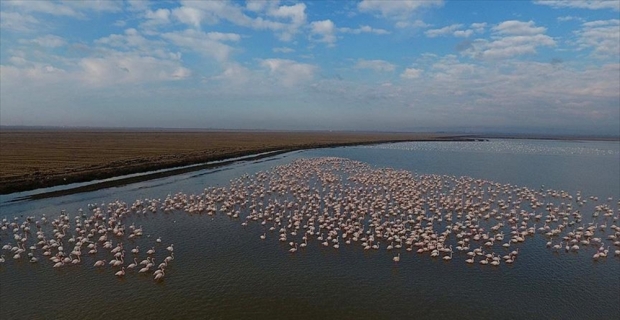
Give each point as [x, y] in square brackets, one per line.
[32, 159]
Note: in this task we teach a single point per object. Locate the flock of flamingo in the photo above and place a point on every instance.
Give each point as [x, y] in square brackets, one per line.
[94, 236]
[338, 203]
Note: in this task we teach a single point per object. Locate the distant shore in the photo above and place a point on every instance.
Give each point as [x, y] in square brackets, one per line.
[40, 158]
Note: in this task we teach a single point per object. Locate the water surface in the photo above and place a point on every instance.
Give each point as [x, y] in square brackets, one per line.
[223, 270]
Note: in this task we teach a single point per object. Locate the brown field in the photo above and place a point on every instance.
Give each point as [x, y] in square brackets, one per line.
[31, 159]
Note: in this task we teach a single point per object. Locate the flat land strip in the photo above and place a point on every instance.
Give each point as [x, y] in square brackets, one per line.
[31, 159]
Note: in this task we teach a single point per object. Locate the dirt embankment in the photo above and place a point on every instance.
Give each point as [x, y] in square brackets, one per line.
[31, 159]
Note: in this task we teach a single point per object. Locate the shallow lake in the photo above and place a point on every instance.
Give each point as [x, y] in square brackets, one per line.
[222, 269]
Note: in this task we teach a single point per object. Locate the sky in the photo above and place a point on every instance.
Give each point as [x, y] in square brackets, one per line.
[497, 66]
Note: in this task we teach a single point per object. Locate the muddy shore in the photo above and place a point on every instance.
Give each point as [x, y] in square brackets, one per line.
[32, 159]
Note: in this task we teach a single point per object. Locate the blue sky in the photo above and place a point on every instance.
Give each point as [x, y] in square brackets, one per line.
[528, 66]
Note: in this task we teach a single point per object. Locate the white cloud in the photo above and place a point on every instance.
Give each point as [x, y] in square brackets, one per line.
[478, 27]
[411, 73]
[514, 27]
[412, 24]
[132, 40]
[32, 73]
[399, 10]
[119, 23]
[463, 33]
[208, 44]
[285, 21]
[48, 7]
[17, 21]
[96, 5]
[283, 50]
[297, 15]
[188, 15]
[325, 29]
[138, 5]
[582, 4]
[570, 18]
[48, 41]
[432, 33]
[256, 5]
[449, 69]
[234, 74]
[288, 72]
[363, 29]
[156, 18]
[75, 9]
[128, 67]
[376, 65]
[510, 38]
[603, 36]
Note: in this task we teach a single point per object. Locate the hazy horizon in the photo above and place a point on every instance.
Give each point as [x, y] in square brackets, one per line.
[526, 67]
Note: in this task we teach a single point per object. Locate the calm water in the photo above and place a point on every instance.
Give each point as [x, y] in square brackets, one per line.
[223, 270]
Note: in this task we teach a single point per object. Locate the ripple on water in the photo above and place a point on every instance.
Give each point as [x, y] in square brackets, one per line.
[223, 269]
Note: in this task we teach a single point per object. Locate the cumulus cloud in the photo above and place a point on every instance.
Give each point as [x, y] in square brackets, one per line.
[128, 67]
[284, 20]
[188, 15]
[569, 18]
[510, 38]
[96, 5]
[514, 27]
[399, 10]
[447, 30]
[133, 40]
[288, 72]
[325, 30]
[234, 74]
[35, 74]
[463, 33]
[582, 4]
[411, 73]
[403, 24]
[602, 36]
[283, 50]
[75, 9]
[47, 7]
[48, 41]
[478, 27]
[16, 21]
[376, 65]
[159, 17]
[363, 29]
[208, 44]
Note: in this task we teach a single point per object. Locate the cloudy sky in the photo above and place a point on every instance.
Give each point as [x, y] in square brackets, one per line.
[539, 66]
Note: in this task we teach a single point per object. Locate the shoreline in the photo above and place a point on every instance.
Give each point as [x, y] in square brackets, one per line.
[43, 158]
[180, 163]
[143, 176]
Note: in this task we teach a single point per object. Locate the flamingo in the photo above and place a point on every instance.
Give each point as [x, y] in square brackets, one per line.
[133, 265]
[120, 273]
[99, 263]
[160, 275]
